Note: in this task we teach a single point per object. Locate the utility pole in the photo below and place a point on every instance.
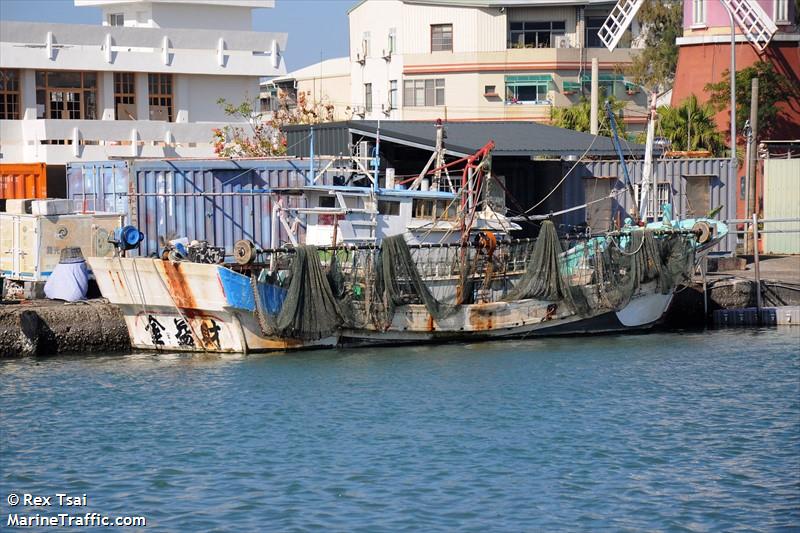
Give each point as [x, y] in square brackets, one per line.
[593, 127]
[751, 163]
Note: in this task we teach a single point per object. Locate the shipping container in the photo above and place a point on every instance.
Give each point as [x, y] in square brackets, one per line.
[99, 186]
[695, 187]
[23, 180]
[30, 245]
[217, 200]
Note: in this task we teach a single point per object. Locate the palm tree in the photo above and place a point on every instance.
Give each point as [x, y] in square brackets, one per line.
[690, 126]
[577, 117]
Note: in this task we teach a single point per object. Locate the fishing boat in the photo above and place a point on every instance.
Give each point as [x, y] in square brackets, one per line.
[428, 259]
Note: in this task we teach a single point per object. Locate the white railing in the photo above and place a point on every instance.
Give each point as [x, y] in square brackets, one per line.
[59, 141]
[89, 47]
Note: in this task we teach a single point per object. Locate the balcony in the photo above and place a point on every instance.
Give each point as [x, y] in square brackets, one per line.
[515, 60]
[87, 47]
[60, 141]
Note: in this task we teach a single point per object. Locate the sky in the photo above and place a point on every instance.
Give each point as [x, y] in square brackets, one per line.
[317, 28]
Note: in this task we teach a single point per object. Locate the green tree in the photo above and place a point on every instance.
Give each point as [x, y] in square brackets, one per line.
[578, 116]
[773, 87]
[662, 23]
[690, 126]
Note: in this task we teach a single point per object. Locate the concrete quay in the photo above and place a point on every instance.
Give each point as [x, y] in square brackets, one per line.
[736, 289]
[46, 327]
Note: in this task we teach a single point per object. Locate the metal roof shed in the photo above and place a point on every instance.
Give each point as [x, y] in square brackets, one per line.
[517, 139]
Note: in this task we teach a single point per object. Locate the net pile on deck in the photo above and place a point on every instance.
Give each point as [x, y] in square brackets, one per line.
[362, 288]
[621, 268]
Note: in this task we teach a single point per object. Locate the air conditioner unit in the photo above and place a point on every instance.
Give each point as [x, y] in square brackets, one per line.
[359, 110]
[562, 41]
[363, 150]
[386, 108]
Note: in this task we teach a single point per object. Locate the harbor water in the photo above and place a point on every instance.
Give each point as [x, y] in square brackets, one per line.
[667, 431]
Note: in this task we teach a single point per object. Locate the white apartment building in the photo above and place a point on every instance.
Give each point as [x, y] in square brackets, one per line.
[145, 83]
[325, 82]
[483, 59]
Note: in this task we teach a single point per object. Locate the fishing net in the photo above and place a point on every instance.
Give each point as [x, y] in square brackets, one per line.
[305, 309]
[627, 262]
[314, 294]
[401, 282]
[544, 277]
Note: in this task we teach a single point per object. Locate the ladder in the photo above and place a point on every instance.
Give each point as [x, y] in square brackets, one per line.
[753, 21]
[618, 21]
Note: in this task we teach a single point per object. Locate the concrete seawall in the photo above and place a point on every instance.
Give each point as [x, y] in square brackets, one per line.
[44, 327]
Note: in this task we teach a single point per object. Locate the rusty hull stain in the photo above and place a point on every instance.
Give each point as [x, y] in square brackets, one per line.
[178, 287]
[480, 316]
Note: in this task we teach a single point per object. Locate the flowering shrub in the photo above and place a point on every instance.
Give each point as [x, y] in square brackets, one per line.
[259, 138]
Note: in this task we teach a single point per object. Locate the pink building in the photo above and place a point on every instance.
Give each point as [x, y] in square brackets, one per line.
[704, 55]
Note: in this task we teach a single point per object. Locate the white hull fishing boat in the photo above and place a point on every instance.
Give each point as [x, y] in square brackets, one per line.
[429, 263]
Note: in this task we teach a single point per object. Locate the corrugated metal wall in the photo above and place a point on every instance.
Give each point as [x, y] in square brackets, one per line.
[99, 185]
[781, 197]
[673, 171]
[23, 180]
[220, 201]
[329, 139]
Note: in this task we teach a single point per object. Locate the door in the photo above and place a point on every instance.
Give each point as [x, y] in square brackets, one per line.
[781, 191]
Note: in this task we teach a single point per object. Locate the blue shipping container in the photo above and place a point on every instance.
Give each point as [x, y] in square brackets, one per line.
[216, 200]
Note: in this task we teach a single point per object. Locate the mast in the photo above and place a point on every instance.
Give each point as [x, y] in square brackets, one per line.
[615, 136]
[648, 196]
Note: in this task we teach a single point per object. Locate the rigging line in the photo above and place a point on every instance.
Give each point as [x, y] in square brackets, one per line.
[565, 176]
[613, 194]
[623, 252]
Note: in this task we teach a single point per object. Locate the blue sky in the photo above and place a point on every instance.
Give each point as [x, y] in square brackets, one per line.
[317, 28]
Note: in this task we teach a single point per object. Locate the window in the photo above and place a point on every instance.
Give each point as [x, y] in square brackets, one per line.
[607, 83]
[528, 89]
[438, 209]
[125, 96]
[365, 44]
[419, 93]
[393, 94]
[781, 11]
[9, 94]
[441, 38]
[116, 19]
[63, 94]
[368, 97]
[663, 196]
[593, 25]
[699, 12]
[534, 34]
[386, 207]
[392, 41]
[159, 87]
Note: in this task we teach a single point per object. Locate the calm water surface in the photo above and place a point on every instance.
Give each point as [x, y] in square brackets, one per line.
[672, 432]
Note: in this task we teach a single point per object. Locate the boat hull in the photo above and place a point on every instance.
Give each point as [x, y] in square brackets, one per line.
[201, 307]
